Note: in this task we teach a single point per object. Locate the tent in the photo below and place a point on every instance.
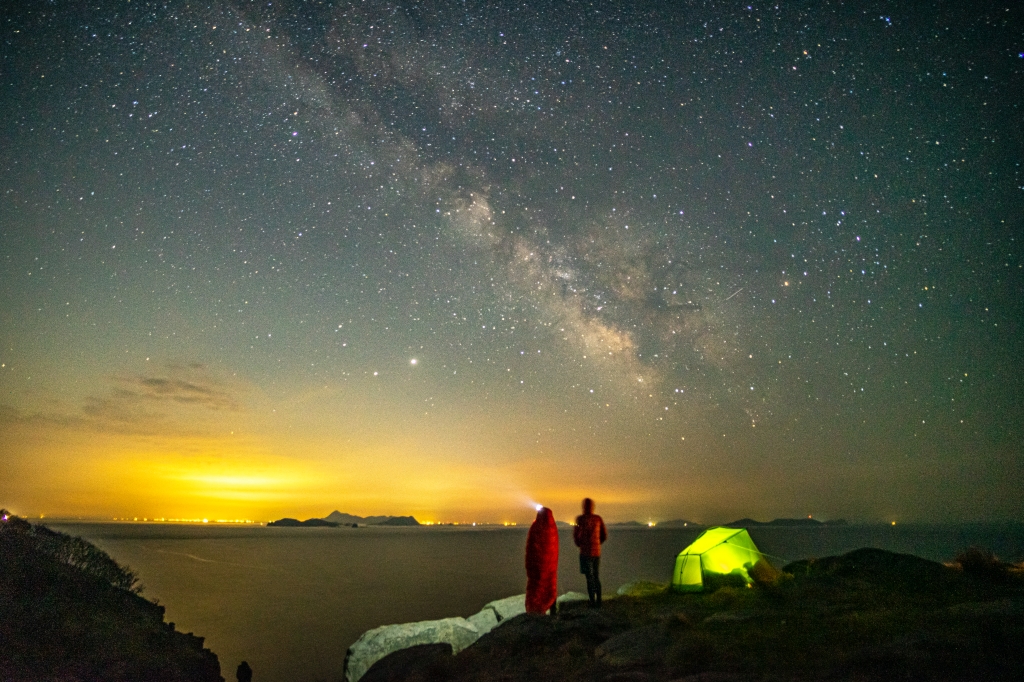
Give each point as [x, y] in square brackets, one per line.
[716, 551]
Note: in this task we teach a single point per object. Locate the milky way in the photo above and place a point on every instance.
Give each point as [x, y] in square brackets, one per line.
[701, 258]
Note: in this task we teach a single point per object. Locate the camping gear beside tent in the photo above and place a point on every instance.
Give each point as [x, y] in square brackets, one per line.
[716, 551]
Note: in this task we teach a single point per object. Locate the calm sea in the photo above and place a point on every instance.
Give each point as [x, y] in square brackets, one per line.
[291, 600]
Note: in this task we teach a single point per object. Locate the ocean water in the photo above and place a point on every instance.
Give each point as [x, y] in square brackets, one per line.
[291, 600]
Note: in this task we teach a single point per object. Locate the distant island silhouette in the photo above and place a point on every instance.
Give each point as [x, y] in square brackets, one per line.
[337, 518]
[748, 523]
[293, 523]
[741, 523]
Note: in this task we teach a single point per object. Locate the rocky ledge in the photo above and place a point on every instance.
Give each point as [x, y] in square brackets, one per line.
[866, 615]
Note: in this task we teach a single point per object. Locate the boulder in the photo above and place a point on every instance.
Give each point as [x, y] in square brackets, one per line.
[377, 643]
[484, 621]
[508, 607]
[420, 662]
[572, 596]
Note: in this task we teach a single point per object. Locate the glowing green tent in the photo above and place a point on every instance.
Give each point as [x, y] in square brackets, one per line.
[716, 551]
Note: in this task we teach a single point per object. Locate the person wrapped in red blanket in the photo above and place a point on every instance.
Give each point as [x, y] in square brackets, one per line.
[542, 563]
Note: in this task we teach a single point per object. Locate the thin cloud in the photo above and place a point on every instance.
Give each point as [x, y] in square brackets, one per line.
[180, 399]
[181, 391]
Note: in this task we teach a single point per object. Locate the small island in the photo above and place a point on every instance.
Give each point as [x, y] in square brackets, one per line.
[337, 518]
[308, 523]
[784, 523]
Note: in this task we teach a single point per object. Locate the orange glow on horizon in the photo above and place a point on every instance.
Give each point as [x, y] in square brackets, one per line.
[256, 476]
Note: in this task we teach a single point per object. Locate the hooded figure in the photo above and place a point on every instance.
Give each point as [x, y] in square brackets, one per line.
[542, 563]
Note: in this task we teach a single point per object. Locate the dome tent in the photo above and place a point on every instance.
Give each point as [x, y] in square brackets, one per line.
[716, 551]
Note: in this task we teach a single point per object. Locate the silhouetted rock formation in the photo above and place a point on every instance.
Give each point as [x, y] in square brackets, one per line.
[69, 612]
[751, 523]
[308, 523]
[338, 517]
[399, 521]
[349, 519]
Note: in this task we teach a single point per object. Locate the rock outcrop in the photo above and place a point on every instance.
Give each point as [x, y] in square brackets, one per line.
[484, 621]
[377, 643]
[374, 645]
[509, 607]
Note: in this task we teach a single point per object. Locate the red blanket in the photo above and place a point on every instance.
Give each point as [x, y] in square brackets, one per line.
[542, 563]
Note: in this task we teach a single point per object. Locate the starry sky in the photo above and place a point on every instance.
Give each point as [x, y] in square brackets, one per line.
[696, 260]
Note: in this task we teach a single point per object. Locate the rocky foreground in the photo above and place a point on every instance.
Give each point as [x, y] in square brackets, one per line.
[68, 612]
[867, 615]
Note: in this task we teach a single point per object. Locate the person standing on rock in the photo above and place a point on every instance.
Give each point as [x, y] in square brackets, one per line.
[542, 563]
[588, 534]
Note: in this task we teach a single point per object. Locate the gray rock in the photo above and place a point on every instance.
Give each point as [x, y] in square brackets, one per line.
[508, 607]
[484, 621]
[377, 643]
[572, 596]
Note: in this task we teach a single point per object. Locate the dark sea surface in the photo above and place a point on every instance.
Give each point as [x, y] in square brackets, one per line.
[291, 600]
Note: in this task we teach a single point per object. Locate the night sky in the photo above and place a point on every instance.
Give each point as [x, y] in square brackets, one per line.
[696, 260]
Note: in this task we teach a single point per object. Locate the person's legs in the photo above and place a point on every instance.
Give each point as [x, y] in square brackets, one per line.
[589, 566]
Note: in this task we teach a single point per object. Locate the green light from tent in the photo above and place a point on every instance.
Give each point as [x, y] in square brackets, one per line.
[721, 551]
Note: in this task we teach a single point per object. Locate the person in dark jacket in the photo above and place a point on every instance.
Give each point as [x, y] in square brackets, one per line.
[542, 563]
[588, 535]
